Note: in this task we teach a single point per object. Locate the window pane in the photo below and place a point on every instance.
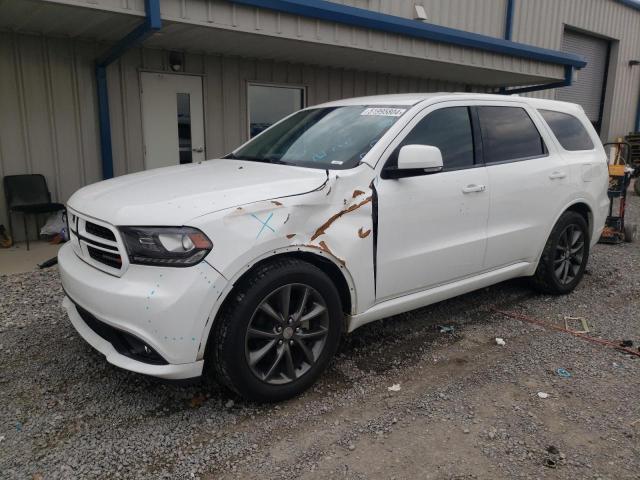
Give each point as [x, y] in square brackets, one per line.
[449, 129]
[269, 104]
[568, 130]
[184, 127]
[508, 133]
[334, 137]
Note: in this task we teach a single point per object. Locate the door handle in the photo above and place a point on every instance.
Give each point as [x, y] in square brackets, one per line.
[198, 149]
[474, 188]
[557, 175]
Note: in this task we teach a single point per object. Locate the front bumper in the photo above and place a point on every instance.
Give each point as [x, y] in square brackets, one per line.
[166, 308]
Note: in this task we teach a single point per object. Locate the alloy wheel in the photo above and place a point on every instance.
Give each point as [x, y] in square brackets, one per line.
[287, 334]
[569, 254]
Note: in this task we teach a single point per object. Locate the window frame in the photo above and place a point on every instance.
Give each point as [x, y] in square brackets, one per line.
[545, 142]
[394, 146]
[303, 88]
[553, 133]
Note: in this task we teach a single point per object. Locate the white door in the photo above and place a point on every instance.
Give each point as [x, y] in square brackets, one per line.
[529, 183]
[432, 228]
[172, 119]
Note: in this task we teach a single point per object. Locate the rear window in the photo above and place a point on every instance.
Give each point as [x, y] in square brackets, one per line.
[509, 134]
[568, 130]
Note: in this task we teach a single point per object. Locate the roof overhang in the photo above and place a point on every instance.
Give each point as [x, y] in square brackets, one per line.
[367, 41]
[360, 17]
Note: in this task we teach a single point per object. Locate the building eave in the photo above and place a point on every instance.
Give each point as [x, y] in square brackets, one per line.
[359, 17]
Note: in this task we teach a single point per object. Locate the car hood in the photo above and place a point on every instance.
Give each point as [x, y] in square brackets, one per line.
[175, 195]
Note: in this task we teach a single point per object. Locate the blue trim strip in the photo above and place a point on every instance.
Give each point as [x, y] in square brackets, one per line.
[508, 27]
[152, 23]
[359, 17]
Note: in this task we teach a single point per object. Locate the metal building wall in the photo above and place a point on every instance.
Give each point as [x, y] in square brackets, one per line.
[48, 119]
[607, 18]
[541, 23]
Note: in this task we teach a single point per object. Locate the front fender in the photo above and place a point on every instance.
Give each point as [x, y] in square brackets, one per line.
[334, 222]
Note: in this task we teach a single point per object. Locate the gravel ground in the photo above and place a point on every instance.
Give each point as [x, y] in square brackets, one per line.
[466, 406]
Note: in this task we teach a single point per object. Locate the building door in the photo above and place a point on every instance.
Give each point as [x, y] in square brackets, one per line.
[589, 87]
[172, 119]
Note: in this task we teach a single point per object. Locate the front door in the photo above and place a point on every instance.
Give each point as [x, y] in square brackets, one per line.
[172, 119]
[432, 229]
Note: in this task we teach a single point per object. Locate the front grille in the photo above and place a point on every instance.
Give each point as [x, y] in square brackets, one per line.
[111, 259]
[98, 244]
[124, 343]
[99, 231]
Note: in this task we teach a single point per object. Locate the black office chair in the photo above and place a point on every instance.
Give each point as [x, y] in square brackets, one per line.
[28, 195]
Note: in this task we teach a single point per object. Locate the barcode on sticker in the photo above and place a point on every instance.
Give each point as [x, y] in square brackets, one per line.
[384, 112]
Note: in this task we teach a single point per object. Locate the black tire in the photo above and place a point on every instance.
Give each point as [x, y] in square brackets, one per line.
[228, 351]
[556, 256]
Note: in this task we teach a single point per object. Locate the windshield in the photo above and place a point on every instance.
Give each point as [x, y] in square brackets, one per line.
[333, 138]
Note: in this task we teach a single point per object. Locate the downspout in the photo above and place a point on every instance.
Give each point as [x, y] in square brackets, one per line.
[508, 27]
[568, 78]
[152, 23]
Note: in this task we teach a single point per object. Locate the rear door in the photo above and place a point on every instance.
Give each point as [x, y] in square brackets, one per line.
[432, 228]
[529, 182]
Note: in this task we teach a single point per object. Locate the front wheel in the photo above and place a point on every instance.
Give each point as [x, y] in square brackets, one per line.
[277, 332]
[564, 257]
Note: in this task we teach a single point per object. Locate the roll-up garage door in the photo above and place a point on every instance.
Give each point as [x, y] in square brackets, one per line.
[588, 89]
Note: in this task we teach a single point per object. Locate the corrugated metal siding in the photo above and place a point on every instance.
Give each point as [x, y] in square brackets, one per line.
[542, 23]
[474, 15]
[224, 81]
[480, 16]
[587, 88]
[48, 120]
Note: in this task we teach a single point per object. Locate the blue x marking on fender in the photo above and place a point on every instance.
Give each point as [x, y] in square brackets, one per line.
[265, 224]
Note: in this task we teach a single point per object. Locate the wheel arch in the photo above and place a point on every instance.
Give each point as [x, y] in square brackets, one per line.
[330, 265]
[580, 206]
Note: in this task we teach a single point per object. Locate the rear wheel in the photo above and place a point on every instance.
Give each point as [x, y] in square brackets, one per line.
[564, 257]
[277, 332]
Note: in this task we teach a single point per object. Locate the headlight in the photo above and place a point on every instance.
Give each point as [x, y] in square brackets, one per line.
[166, 246]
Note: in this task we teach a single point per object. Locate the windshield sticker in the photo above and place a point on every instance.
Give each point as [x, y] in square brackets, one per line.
[384, 112]
[336, 162]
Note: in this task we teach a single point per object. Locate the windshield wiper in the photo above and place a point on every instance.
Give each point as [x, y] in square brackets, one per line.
[272, 159]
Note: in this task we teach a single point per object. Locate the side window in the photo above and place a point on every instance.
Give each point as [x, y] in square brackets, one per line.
[508, 134]
[449, 129]
[568, 130]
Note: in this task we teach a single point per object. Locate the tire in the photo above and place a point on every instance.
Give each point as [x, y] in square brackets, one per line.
[630, 232]
[241, 352]
[559, 271]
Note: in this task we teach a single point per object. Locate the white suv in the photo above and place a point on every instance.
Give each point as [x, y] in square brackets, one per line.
[250, 268]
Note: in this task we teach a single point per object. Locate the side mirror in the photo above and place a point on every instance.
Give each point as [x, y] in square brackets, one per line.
[414, 160]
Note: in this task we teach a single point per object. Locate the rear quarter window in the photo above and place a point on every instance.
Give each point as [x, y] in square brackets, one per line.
[509, 134]
[568, 130]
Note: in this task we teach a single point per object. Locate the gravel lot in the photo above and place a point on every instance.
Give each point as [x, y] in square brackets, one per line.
[466, 407]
